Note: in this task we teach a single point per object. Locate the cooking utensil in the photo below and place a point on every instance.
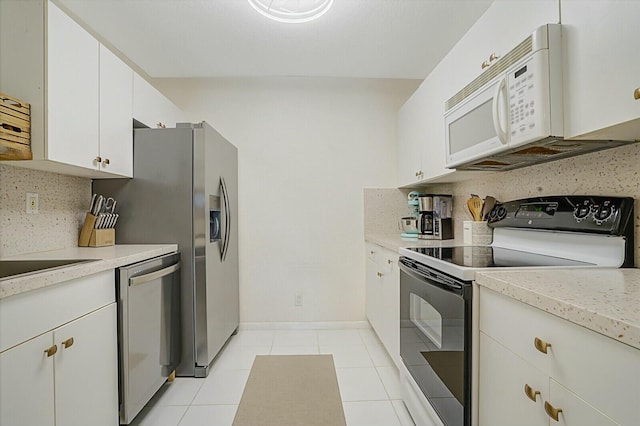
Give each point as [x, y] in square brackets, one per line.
[98, 205]
[489, 202]
[109, 205]
[93, 203]
[475, 208]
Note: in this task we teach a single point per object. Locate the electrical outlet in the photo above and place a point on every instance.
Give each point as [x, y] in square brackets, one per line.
[32, 203]
[298, 299]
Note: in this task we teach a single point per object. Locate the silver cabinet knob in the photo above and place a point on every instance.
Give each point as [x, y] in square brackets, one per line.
[636, 94]
[105, 161]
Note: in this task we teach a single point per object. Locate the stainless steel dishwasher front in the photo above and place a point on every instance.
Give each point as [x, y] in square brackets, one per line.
[148, 329]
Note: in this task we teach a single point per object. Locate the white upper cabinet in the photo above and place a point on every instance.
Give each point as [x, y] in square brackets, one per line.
[152, 108]
[501, 28]
[80, 93]
[72, 92]
[601, 69]
[116, 112]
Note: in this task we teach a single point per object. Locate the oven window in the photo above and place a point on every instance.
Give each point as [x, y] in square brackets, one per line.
[433, 334]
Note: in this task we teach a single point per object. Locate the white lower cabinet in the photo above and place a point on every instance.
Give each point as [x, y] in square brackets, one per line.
[583, 378]
[67, 374]
[383, 297]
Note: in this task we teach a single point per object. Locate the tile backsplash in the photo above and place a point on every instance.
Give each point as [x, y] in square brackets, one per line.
[63, 202]
[383, 208]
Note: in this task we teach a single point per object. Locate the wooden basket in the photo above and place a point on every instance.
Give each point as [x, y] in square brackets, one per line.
[15, 129]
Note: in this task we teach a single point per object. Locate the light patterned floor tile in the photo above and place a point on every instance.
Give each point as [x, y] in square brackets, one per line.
[370, 413]
[222, 387]
[159, 416]
[360, 384]
[345, 356]
[209, 415]
[179, 392]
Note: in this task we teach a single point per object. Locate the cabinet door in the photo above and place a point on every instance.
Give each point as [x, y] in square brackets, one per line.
[411, 132]
[72, 92]
[116, 113]
[503, 376]
[501, 28]
[86, 385]
[390, 306]
[26, 384]
[601, 66]
[575, 411]
[374, 287]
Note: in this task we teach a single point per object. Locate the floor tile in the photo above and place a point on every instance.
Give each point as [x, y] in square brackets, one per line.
[295, 338]
[239, 357]
[379, 355]
[209, 415]
[368, 336]
[339, 337]
[295, 350]
[360, 384]
[253, 337]
[402, 413]
[159, 416]
[348, 355]
[391, 381]
[370, 413]
[222, 387]
[179, 392]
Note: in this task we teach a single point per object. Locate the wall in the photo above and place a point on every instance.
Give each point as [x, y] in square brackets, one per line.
[63, 201]
[614, 172]
[306, 149]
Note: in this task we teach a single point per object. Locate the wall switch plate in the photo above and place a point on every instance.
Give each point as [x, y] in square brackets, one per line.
[32, 203]
[298, 299]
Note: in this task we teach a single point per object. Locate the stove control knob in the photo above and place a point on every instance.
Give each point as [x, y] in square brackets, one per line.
[582, 210]
[604, 213]
[501, 212]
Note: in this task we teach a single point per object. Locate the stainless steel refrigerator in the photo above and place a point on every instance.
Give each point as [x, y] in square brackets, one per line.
[185, 191]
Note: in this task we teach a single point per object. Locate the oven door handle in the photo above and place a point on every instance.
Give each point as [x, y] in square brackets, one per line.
[446, 284]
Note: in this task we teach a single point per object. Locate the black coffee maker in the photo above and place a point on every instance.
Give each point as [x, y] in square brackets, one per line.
[425, 216]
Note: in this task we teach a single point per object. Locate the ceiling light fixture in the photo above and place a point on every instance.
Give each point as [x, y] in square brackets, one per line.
[292, 11]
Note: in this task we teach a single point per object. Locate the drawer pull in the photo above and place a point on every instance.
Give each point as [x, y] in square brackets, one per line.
[552, 411]
[68, 343]
[98, 159]
[531, 394]
[493, 57]
[484, 65]
[389, 261]
[51, 351]
[541, 345]
[105, 161]
[372, 252]
[636, 94]
[380, 275]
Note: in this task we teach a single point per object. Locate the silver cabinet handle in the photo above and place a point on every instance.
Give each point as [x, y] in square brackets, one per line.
[636, 94]
[105, 161]
[141, 279]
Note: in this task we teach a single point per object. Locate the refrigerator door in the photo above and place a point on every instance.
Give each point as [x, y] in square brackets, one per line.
[215, 242]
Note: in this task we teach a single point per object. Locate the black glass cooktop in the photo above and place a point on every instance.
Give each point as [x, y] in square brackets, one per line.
[492, 257]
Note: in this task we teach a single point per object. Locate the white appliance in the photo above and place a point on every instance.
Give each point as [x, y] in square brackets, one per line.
[512, 114]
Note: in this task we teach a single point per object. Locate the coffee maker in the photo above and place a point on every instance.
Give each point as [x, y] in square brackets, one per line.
[434, 221]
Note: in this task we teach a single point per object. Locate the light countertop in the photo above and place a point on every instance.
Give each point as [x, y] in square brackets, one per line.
[394, 241]
[603, 300]
[110, 257]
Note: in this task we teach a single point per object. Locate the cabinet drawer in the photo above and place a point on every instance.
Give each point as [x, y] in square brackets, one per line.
[32, 313]
[597, 368]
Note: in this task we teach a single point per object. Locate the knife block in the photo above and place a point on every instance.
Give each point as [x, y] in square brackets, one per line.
[91, 237]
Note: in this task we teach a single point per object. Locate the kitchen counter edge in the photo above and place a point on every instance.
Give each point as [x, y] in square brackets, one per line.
[110, 257]
[395, 242]
[606, 301]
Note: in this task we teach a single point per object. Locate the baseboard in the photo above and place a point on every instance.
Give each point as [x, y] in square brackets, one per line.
[323, 325]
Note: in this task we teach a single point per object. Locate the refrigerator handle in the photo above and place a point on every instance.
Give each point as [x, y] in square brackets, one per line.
[227, 214]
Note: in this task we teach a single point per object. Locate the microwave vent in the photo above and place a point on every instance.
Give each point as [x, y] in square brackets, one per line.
[517, 53]
[537, 150]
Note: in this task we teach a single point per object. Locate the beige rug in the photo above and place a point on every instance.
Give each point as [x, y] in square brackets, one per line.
[291, 390]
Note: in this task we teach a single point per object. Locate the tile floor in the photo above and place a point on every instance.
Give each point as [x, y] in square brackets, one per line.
[367, 378]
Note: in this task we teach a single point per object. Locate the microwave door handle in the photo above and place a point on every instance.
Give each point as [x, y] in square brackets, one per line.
[502, 133]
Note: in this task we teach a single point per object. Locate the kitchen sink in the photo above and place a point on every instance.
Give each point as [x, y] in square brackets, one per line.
[12, 268]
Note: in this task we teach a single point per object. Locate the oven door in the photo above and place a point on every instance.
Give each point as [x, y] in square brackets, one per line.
[435, 338]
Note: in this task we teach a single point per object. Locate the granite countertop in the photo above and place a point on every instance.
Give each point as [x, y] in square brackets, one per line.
[107, 258]
[394, 241]
[603, 300]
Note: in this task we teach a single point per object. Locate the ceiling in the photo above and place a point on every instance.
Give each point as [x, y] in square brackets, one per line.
[399, 39]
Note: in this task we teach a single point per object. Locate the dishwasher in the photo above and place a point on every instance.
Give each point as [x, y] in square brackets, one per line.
[148, 330]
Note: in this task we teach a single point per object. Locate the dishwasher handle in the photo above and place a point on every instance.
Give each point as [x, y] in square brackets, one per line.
[141, 279]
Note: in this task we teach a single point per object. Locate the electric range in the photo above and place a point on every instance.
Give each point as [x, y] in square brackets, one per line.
[436, 287]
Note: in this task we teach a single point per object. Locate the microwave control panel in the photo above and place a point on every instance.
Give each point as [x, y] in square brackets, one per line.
[527, 91]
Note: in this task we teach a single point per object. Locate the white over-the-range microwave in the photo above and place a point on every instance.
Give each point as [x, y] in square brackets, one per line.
[512, 114]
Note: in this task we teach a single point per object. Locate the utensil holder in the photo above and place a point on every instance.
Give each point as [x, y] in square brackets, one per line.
[91, 237]
[477, 233]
